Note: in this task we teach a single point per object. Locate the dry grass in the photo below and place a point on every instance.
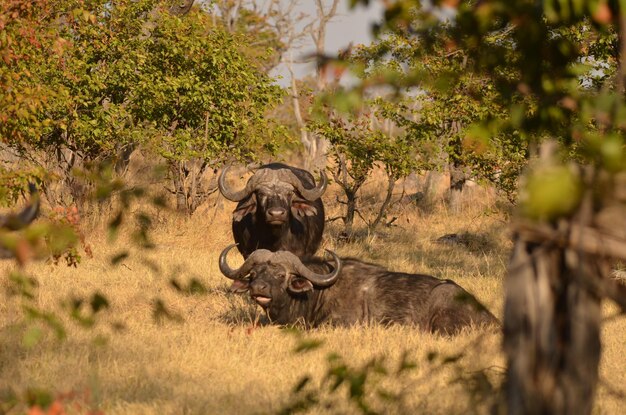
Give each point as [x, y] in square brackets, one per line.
[217, 361]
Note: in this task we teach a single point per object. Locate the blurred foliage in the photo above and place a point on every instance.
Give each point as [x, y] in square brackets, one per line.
[14, 183]
[501, 82]
[380, 385]
[56, 236]
[491, 79]
[360, 383]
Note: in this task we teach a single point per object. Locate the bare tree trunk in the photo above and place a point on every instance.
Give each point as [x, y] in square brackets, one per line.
[557, 276]
[178, 175]
[122, 161]
[306, 138]
[229, 10]
[551, 331]
[458, 177]
[391, 184]
[318, 34]
[317, 29]
[188, 179]
[350, 189]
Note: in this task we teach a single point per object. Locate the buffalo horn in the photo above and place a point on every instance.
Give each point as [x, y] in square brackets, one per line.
[233, 196]
[257, 256]
[311, 194]
[321, 280]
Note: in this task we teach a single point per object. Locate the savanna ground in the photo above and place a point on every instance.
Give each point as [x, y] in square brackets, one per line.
[216, 359]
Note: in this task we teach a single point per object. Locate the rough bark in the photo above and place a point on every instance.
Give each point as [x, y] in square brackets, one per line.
[558, 275]
[189, 184]
[350, 189]
[551, 330]
[391, 184]
[458, 177]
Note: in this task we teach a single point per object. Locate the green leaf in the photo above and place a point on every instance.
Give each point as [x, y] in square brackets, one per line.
[32, 337]
[551, 192]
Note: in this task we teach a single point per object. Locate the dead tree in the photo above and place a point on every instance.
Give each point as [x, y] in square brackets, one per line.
[277, 17]
[315, 146]
[557, 278]
[317, 30]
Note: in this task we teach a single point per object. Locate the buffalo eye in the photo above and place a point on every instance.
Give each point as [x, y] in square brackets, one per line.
[252, 275]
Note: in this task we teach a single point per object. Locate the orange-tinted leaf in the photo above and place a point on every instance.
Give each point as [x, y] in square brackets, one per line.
[602, 14]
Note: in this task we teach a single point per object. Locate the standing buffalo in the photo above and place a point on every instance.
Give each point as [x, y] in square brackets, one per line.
[279, 209]
[313, 292]
[17, 221]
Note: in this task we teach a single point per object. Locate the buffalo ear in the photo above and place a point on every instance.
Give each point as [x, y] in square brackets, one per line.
[239, 286]
[302, 208]
[248, 207]
[299, 285]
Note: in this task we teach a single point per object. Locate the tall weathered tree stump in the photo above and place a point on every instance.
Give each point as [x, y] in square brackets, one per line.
[558, 275]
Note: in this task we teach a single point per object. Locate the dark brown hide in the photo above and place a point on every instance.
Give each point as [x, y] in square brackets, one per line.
[362, 293]
[274, 215]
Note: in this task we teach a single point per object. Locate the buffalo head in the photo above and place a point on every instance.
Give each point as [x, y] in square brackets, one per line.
[273, 193]
[271, 276]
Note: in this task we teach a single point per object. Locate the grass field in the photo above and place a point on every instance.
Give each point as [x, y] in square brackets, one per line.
[218, 361]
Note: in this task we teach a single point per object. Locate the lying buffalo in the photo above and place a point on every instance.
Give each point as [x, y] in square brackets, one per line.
[279, 209]
[313, 292]
[17, 221]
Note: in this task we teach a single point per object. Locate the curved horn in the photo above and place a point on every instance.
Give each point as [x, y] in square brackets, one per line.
[321, 280]
[257, 256]
[20, 220]
[225, 268]
[233, 196]
[311, 194]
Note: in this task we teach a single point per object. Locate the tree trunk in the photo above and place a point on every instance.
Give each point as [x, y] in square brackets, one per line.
[350, 211]
[191, 187]
[391, 184]
[551, 331]
[178, 180]
[552, 314]
[458, 177]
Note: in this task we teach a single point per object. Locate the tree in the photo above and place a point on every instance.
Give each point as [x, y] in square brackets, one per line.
[23, 47]
[446, 100]
[269, 27]
[314, 146]
[128, 72]
[84, 71]
[358, 145]
[564, 240]
[203, 108]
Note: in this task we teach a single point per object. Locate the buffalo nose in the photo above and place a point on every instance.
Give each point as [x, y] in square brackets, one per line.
[258, 286]
[276, 212]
